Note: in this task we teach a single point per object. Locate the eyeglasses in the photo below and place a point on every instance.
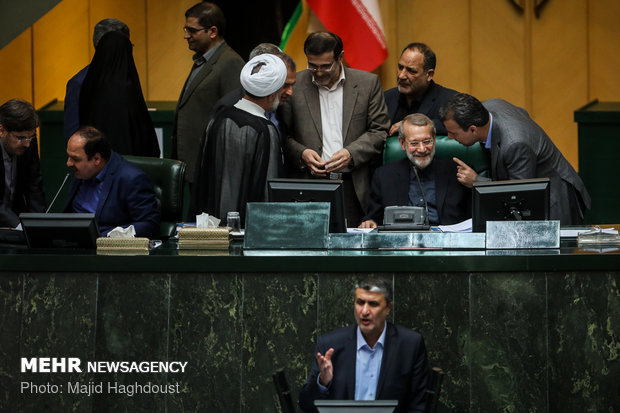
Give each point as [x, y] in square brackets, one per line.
[323, 68]
[192, 30]
[415, 144]
[23, 139]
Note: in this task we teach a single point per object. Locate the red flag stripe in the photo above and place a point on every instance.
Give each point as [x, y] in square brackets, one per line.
[363, 40]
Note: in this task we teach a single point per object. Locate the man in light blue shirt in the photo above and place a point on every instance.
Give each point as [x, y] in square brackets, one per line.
[372, 360]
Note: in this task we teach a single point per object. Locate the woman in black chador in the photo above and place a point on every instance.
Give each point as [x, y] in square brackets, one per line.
[111, 99]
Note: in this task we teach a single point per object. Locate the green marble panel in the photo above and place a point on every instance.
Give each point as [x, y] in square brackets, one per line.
[584, 342]
[11, 286]
[58, 320]
[279, 326]
[336, 296]
[437, 306]
[206, 331]
[508, 342]
[132, 325]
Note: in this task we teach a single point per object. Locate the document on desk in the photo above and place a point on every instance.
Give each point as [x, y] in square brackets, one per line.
[464, 226]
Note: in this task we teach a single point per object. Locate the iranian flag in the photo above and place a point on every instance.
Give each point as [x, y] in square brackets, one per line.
[357, 22]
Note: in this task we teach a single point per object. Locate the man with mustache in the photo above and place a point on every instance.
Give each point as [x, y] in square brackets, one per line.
[21, 182]
[396, 183]
[372, 360]
[337, 122]
[416, 91]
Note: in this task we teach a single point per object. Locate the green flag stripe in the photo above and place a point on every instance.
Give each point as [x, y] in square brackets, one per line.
[290, 26]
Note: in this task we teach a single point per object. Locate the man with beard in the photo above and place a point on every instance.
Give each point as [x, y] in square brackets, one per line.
[241, 149]
[336, 121]
[416, 92]
[215, 72]
[418, 179]
[21, 183]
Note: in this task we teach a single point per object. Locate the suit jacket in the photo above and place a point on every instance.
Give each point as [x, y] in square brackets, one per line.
[219, 76]
[364, 125]
[72, 103]
[28, 196]
[434, 98]
[403, 375]
[127, 198]
[390, 187]
[521, 149]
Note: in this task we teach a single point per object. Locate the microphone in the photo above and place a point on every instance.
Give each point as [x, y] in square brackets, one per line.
[415, 169]
[58, 192]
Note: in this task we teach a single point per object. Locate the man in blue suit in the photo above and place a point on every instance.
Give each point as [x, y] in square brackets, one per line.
[372, 360]
[116, 191]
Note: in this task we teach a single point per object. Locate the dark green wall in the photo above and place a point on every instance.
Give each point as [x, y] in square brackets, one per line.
[509, 342]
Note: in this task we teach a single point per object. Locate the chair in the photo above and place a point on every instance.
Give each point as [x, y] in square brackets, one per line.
[167, 176]
[445, 147]
[283, 391]
[433, 389]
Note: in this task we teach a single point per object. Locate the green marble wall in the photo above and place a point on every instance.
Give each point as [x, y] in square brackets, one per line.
[508, 342]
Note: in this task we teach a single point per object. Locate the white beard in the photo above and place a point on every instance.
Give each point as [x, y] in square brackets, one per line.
[420, 162]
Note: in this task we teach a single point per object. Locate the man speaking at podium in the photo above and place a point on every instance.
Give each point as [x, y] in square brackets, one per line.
[372, 360]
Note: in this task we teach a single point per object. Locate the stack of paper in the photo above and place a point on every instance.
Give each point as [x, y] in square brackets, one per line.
[204, 238]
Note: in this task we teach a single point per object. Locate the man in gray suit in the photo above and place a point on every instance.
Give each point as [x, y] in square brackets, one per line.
[337, 121]
[215, 72]
[519, 149]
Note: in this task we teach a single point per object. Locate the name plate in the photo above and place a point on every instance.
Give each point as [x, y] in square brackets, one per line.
[523, 234]
[286, 225]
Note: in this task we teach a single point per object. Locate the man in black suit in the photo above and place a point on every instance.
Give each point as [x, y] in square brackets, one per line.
[373, 360]
[21, 182]
[416, 91]
[418, 180]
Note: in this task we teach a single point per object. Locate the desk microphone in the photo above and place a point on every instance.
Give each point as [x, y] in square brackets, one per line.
[58, 192]
[415, 169]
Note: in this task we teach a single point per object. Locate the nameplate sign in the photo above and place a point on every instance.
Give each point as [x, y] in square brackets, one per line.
[286, 225]
[523, 234]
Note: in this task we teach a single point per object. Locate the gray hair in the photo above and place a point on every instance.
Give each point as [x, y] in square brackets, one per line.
[417, 119]
[108, 25]
[377, 285]
[275, 50]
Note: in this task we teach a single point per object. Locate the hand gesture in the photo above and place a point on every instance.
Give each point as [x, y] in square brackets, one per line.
[464, 173]
[326, 368]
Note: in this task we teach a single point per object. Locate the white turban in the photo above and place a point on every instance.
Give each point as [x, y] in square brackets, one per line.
[263, 75]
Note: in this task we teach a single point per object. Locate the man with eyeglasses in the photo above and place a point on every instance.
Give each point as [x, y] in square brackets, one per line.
[215, 73]
[21, 182]
[418, 180]
[337, 122]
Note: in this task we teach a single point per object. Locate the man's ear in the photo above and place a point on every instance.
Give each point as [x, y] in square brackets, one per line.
[97, 158]
[214, 32]
[430, 73]
[2, 131]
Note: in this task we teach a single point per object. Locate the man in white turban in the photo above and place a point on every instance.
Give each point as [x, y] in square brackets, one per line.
[241, 147]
